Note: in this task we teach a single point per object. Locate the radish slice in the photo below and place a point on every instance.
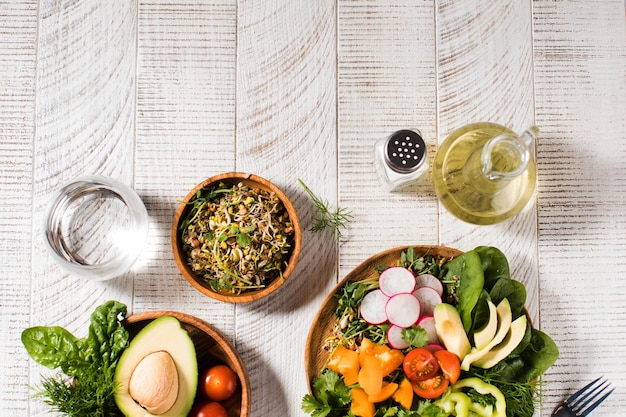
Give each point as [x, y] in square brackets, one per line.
[373, 307]
[433, 347]
[429, 298]
[394, 337]
[428, 323]
[396, 280]
[428, 280]
[403, 310]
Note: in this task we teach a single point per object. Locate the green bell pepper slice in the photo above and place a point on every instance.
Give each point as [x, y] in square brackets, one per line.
[483, 388]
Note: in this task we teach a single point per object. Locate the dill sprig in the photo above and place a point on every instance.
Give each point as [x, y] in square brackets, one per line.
[335, 219]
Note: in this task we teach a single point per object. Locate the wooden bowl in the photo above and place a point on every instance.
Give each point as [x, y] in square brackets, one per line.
[212, 348]
[315, 357]
[233, 178]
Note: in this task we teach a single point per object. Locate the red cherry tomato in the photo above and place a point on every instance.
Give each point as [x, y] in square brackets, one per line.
[208, 409]
[431, 388]
[218, 383]
[449, 364]
[419, 365]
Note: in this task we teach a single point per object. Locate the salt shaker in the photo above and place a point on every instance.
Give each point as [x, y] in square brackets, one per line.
[400, 159]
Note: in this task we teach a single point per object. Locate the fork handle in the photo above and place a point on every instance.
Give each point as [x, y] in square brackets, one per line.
[562, 411]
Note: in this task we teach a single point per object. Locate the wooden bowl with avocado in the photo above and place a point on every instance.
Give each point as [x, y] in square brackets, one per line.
[186, 336]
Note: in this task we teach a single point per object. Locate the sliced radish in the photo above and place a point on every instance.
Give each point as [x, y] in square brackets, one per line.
[394, 337]
[429, 298]
[373, 307]
[428, 280]
[428, 323]
[433, 347]
[396, 280]
[403, 310]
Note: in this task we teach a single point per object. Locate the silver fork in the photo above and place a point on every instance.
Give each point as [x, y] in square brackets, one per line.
[584, 401]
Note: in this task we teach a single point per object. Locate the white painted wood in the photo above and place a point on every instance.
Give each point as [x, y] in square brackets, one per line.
[386, 82]
[17, 105]
[164, 94]
[579, 83]
[286, 129]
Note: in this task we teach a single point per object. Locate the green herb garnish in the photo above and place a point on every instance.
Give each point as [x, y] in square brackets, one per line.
[327, 217]
[86, 386]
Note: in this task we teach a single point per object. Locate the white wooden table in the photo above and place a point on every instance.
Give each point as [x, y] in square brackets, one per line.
[161, 95]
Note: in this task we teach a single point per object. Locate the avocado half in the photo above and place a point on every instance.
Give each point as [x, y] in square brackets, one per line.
[157, 375]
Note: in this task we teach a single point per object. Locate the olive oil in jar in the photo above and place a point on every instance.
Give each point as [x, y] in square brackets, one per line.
[484, 173]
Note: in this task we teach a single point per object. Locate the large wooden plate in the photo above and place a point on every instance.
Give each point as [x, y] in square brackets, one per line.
[315, 356]
[212, 348]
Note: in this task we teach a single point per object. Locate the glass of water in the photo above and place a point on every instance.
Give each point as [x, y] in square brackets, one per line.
[96, 227]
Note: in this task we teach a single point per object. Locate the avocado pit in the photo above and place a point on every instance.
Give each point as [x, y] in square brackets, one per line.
[154, 382]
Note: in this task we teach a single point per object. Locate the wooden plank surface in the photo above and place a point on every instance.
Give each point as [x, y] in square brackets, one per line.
[18, 38]
[164, 94]
[286, 129]
[580, 79]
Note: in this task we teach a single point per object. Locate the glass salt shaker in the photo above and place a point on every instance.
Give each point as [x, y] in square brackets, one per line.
[400, 159]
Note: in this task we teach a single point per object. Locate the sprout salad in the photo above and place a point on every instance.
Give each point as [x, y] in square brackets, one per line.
[237, 238]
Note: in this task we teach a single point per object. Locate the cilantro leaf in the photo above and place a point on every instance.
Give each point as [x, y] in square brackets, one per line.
[416, 336]
[331, 396]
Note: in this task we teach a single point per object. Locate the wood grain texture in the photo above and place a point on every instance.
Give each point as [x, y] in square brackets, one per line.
[185, 134]
[84, 124]
[286, 129]
[17, 103]
[580, 82]
[162, 95]
[386, 82]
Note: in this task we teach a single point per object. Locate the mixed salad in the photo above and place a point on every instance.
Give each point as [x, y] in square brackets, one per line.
[433, 337]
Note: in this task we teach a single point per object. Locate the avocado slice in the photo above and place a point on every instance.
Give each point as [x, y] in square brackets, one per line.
[510, 342]
[449, 329]
[503, 312]
[485, 334]
[157, 375]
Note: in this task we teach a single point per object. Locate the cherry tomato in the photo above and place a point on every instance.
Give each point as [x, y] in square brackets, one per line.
[419, 364]
[431, 388]
[218, 383]
[208, 409]
[449, 364]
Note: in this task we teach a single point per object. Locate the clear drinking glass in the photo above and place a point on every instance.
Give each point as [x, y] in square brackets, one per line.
[96, 227]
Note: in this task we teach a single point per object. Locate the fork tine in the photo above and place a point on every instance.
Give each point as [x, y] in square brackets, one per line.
[586, 399]
[574, 397]
[599, 401]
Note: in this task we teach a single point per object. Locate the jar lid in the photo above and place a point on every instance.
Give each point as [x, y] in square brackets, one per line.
[405, 151]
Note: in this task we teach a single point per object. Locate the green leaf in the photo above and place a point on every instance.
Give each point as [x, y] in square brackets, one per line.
[416, 336]
[248, 229]
[468, 271]
[54, 347]
[107, 335]
[243, 240]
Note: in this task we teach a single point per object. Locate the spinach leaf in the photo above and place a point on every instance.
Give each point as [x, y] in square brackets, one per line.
[512, 290]
[539, 355]
[107, 336]
[494, 263]
[467, 271]
[54, 347]
[480, 315]
[90, 362]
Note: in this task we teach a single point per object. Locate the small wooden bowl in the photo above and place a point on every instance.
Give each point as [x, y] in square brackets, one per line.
[315, 357]
[212, 348]
[233, 178]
